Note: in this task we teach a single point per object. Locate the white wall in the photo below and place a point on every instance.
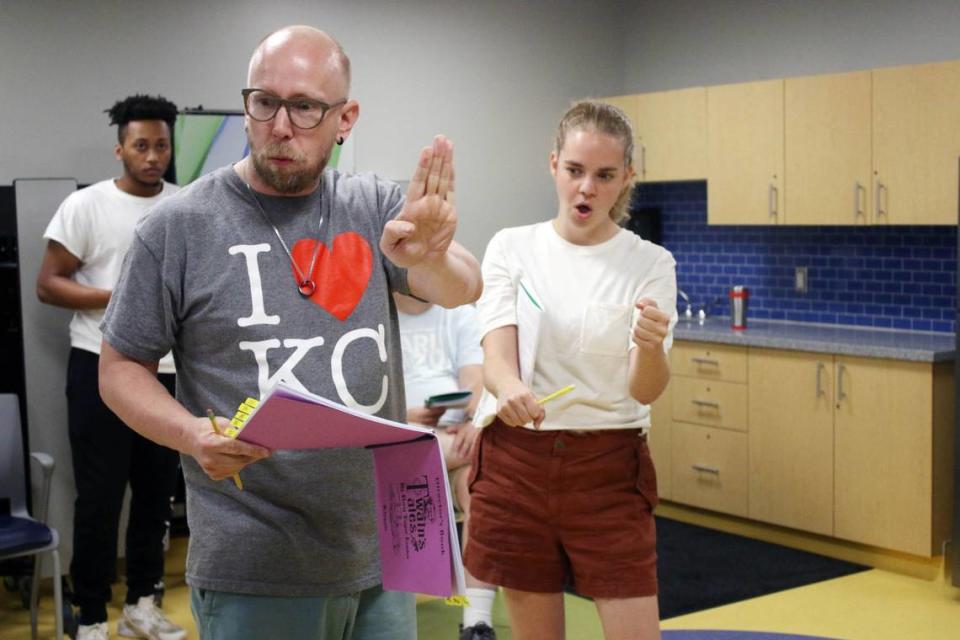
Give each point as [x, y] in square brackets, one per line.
[494, 76]
[685, 43]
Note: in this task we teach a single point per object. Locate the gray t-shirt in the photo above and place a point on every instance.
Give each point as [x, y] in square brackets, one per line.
[207, 277]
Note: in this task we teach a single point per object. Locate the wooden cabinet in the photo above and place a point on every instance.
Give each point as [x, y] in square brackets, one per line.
[916, 143]
[670, 129]
[710, 402]
[892, 424]
[745, 146]
[794, 151]
[659, 440]
[708, 434]
[855, 448]
[827, 145]
[710, 468]
[709, 361]
[791, 439]
[851, 447]
[868, 147]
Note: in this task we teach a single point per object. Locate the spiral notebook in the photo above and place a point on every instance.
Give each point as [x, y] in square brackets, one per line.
[419, 547]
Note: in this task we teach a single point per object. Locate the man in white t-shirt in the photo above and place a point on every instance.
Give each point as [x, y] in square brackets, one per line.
[441, 355]
[87, 240]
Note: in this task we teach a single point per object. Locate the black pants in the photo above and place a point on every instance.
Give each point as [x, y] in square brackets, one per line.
[106, 456]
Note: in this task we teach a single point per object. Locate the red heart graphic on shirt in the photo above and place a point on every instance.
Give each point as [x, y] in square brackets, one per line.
[341, 274]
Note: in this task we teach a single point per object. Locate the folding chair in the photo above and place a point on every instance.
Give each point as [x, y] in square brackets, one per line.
[21, 534]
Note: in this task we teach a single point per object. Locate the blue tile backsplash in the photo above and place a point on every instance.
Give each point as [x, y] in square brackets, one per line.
[871, 276]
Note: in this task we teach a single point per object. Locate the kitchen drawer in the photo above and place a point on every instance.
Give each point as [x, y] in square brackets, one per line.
[711, 361]
[710, 468]
[709, 402]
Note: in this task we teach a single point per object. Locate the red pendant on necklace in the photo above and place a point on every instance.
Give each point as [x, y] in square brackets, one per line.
[306, 288]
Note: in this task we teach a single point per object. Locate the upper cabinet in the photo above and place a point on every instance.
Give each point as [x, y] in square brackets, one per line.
[869, 147]
[745, 153]
[671, 133]
[916, 143]
[827, 146]
[671, 129]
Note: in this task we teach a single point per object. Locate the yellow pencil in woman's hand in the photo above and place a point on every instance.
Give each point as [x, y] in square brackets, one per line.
[556, 394]
[216, 430]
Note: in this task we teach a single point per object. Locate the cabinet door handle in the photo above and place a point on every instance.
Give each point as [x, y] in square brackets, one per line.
[857, 200]
[820, 368]
[841, 394]
[773, 201]
[643, 159]
[706, 403]
[705, 469]
[878, 205]
[710, 361]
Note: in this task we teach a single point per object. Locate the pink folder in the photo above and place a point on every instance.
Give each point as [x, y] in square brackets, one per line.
[419, 547]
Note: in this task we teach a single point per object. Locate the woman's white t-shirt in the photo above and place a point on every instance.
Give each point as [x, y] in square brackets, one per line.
[586, 296]
[436, 345]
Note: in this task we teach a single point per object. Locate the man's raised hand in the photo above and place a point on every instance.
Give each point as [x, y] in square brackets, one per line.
[424, 228]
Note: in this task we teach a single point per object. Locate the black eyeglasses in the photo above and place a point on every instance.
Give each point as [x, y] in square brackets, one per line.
[304, 113]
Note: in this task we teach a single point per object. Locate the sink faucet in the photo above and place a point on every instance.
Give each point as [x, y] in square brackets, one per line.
[707, 308]
[688, 311]
[698, 311]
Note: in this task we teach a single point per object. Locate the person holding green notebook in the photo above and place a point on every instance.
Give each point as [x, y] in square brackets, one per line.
[443, 362]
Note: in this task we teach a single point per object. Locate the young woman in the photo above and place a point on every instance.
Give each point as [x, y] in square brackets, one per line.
[563, 494]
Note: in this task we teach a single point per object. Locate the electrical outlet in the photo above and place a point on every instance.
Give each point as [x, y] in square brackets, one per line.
[800, 282]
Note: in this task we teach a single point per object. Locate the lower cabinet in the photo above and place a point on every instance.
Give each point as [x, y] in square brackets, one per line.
[855, 448]
[791, 439]
[659, 441]
[708, 397]
[893, 453]
[712, 403]
[710, 468]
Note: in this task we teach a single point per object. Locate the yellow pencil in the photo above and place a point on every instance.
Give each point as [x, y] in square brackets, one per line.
[216, 429]
[556, 394]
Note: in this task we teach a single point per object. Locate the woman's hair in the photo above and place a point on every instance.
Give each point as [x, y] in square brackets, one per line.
[593, 115]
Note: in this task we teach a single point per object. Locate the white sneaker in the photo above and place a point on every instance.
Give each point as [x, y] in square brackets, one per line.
[146, 620]
[99, 631]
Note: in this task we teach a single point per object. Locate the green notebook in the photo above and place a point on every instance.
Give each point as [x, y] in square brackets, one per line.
[454, 399]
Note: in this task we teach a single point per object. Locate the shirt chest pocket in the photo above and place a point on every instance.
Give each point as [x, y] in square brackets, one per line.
[605, 329]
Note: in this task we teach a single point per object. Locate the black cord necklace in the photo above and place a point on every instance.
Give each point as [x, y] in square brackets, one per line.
[305, 284]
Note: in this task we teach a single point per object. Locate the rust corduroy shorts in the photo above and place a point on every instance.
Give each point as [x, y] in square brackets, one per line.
[551, 509]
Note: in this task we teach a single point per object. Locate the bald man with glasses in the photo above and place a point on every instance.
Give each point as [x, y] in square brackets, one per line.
[280, 268]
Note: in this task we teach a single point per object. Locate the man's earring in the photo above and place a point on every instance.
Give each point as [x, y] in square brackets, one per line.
[339, 140]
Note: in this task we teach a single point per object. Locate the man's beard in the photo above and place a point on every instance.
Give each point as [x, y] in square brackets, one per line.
[145, 182]
[284, 180]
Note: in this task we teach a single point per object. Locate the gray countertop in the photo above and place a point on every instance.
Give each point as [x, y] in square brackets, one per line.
[852, 341]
